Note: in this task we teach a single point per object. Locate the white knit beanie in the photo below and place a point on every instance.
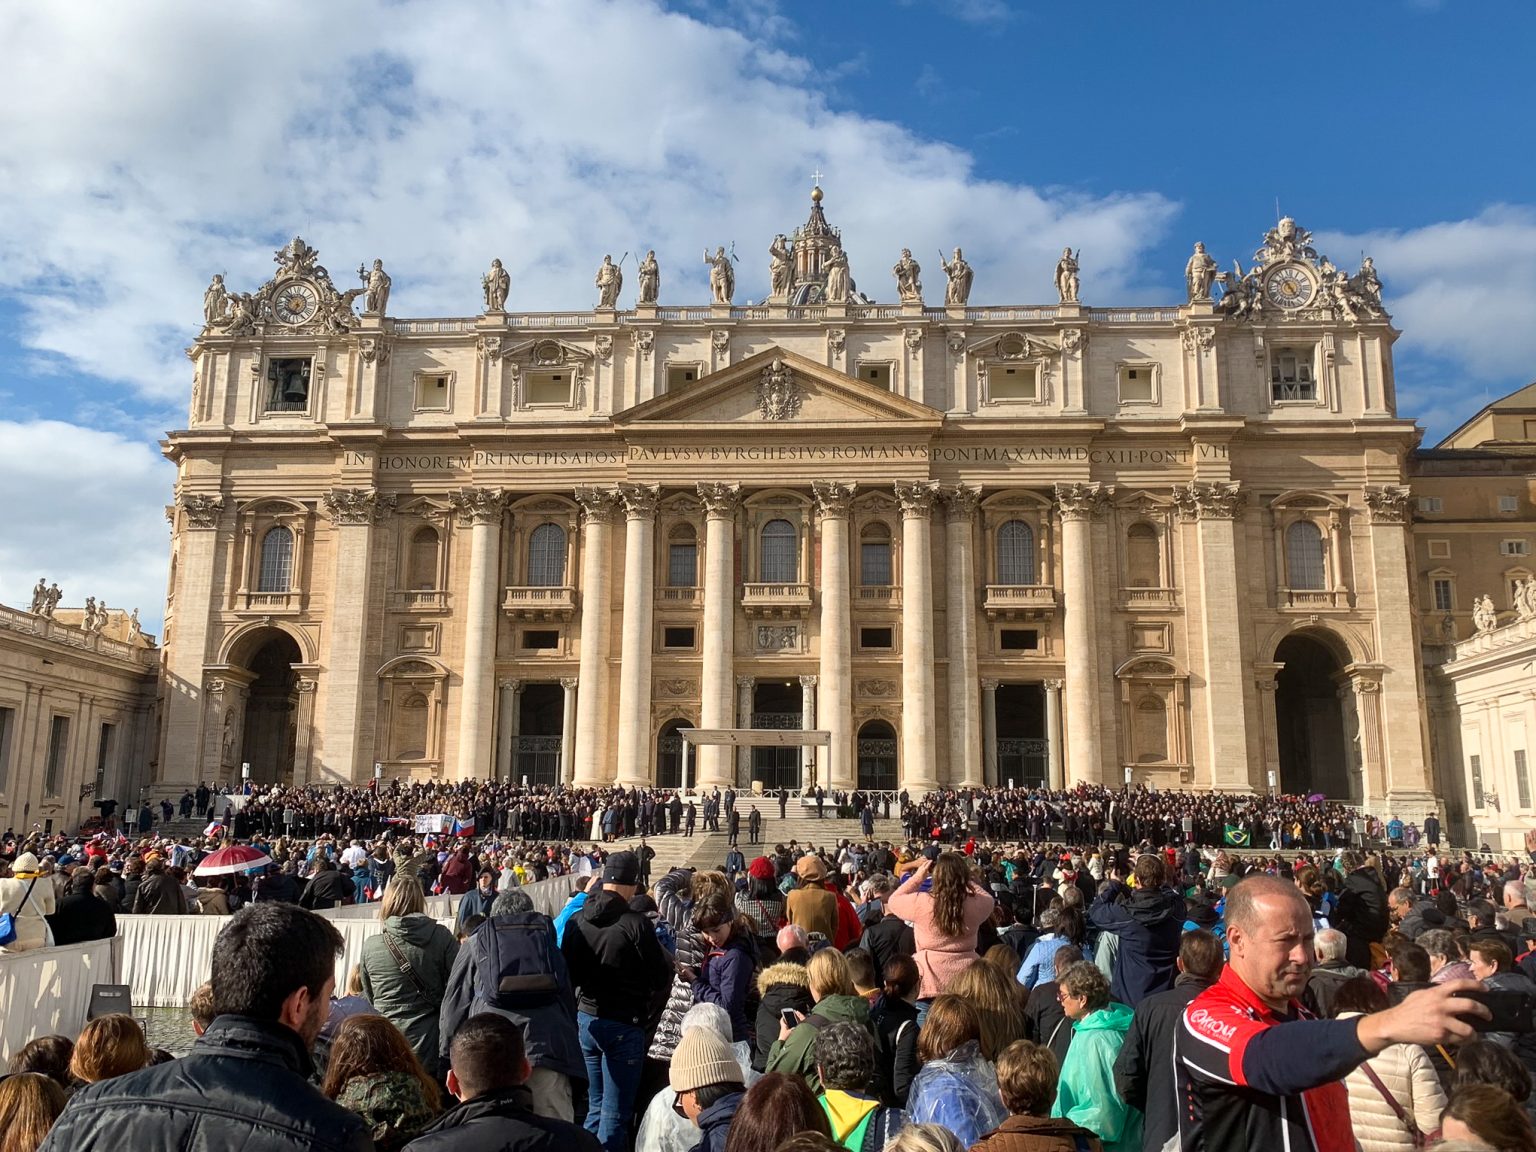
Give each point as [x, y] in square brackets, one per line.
[703, 1058]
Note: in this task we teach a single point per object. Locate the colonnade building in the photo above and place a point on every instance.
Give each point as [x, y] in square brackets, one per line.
[1040, 544]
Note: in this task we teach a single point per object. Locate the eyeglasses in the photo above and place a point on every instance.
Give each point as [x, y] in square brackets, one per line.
[677, 1105]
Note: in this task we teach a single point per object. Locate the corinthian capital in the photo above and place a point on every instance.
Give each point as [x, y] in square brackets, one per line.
[478, 505]
[1209, 501]
[1082, 501]
[960, 501]
[832, 497]
[1388, 504]
[202, 511]
[597, 504]
[720, 500]
[639, 500]
[356, 505]
[916, 498]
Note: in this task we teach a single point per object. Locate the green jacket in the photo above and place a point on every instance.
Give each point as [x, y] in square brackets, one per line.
[429, 949]
[796, 1056]
[1086, 1094]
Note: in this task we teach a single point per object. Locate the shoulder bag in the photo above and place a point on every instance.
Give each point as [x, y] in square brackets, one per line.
[1420, 1140]
[405, 967]
[8, 921]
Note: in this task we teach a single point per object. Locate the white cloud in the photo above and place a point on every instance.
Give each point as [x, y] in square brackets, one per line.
[84, 508]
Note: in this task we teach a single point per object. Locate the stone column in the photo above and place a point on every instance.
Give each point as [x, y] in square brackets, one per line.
[1054, 776]
[807, 724]
[568, 729]
[919, 771]
[1080, 505]
[720, 504]
[597, 508]
[835, 675]
[480, 509]
[636, 644]
[965, 751]
[194, 521]
[744, 685]
[506, 753]
[1266, 685]
[990, 770]
[1214, 509]
[352, 512]
[303, 745]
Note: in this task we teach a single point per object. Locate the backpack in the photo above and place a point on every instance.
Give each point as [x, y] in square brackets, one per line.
[519, 962]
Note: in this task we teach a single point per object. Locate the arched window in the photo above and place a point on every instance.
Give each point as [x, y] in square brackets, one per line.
[276, 561]
[1015, 553]
[683, 558]
[1151, 735]
[1304, 556]
[422, 565]
[546, 556]
[779, 559]
[410, 742]
[875, 555]
[1143, 557]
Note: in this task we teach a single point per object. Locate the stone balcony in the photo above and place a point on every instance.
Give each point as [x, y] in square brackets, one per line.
[672, 597]
[269, 603]
[776, 601]
[539, 603]
[418, 600]
[1019, 601]
[1149, 599]
[877, 596]
[1313, 599]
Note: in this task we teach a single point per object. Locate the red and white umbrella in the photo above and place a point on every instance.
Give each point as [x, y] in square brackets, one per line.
[235, 858]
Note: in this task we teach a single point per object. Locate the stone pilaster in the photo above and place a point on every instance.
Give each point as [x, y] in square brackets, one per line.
[1055, 777]
[807, 724]
[636, 643]
[835, 675]
[721, 502]
[480, 509]
[744, 686]
[567, 729]
[597, 510]
[197, 543]
[990, 768]
[919, 769]
[507, 729]
[1081, 505]
[965, 744]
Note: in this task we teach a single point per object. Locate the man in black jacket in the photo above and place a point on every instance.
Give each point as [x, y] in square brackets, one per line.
[495, 1114]
[622, 977]
[1148, 922]
[1362, 911]
[890, 935]
[1143, 1071]
[245, 1084]
[82, 915]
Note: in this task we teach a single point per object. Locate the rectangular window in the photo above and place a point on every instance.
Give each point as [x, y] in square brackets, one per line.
[7, 727]
[1475, 765]
[1013, 382]
[549, 389]
[1439, 549]
[683, 566]
[541, 639]
[1431, 504]
[1522, 780]
[877, 638]
[1509, 503]
[677, 637]
[1514, 548]
[288, 383]
[1444, 602]
[1290, 375]
[876, 375]
[1019, 640]
[679, 376]
[58, 749]
[875, 564]
[1136, 385]
[104, 755]
[432, 393]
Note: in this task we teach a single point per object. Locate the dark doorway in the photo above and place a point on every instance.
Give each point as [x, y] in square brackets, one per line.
[1314, 755]
[1022, 751]
[877, 757]
[776, 704]
[540, 713]
[272, 710]
[669, 755]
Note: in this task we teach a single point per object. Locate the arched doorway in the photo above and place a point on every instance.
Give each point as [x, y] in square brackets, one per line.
[877, 757]
[669, 754]
[272, 707]
[1315, 755]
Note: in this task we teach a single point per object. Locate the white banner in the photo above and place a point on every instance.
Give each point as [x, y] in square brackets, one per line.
[434, 822]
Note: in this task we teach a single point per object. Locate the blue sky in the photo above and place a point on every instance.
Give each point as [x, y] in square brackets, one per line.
[184, 139]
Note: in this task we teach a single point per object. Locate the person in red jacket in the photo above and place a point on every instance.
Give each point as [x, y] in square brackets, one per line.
[458, 872]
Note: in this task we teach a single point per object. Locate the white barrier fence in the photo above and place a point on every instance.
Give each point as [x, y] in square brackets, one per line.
[163, 959]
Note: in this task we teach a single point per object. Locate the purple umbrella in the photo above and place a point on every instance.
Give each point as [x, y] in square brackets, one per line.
[1316, 798]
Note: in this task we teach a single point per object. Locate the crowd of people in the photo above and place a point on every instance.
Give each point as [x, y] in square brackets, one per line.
[1137, 987]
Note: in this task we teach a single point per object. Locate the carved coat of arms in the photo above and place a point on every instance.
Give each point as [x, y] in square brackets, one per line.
[778, 396]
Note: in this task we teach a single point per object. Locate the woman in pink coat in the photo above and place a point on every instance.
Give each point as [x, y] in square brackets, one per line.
[944, 919]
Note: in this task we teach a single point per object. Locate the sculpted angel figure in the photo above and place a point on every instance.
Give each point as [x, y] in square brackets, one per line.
[214, 301]
[722, 277]
[1066, 276]
[958, 290]
[495, 284]
[650, 278]
[781, 269]
[610, 278]
[1199, 274]
[907, 271]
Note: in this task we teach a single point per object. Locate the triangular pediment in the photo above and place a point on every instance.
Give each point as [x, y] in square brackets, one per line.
[779, 390]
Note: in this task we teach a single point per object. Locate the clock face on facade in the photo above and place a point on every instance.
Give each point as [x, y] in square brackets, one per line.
[296, 302]
[1290, 286]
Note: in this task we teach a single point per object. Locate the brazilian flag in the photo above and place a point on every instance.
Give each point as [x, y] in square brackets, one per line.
[1236, 836]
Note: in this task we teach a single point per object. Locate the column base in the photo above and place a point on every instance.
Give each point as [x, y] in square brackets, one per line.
[920, 787]
[631, 782]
